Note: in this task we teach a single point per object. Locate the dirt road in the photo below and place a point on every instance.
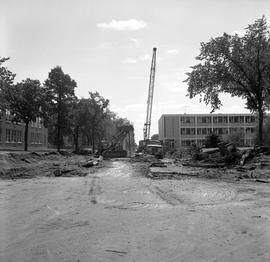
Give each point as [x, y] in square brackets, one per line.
[117, 214]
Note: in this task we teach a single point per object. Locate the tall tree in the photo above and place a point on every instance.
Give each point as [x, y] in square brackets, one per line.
[25, 101]
[60, 94]
[6, 79]
[79, 115]
[97, 114]
[236, 65]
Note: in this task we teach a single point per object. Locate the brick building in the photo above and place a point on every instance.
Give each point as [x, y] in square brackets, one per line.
[12, 134]
[183, 130]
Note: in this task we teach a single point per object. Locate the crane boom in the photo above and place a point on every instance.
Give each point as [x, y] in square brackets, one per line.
[146, 129]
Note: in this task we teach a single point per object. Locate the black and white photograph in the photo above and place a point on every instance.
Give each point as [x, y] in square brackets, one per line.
[135, 131]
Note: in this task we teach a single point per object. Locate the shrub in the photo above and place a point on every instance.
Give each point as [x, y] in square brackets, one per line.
[212, 141]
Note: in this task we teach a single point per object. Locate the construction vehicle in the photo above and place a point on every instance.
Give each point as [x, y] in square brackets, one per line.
[114, 148]
[146, 145]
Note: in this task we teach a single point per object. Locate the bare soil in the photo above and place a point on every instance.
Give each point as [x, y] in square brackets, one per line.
[118, 214]
[19, 165]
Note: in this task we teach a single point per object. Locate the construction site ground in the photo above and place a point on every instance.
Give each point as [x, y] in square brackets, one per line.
[54, 208]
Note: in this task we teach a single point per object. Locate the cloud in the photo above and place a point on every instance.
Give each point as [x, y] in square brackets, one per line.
[173, 51]
[129, 61]
[123, 25]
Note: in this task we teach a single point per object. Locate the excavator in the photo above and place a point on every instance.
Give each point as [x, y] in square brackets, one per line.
[115, 148]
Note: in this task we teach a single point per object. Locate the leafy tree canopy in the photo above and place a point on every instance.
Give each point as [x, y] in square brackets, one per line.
[59, 95]
[236, 65]
[25, 101]
[6, 79]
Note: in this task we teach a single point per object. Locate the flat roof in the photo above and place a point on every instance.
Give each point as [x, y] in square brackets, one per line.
[214, 114]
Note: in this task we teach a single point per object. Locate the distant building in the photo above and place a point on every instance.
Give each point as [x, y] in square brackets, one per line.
[12, 134]
[183, 130]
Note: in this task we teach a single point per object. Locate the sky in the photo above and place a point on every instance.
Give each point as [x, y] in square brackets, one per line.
[107, 45]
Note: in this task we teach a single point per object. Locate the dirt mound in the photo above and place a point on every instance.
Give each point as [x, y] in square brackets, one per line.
[29, 165]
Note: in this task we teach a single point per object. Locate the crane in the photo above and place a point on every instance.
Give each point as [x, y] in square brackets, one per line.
[147, 124]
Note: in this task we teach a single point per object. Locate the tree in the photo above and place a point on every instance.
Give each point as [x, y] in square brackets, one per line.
[97, 114]
[79, 119]
[266, 134]
[60, 94]
[6, 79]
[25, 101]
[236, 65]
[212, 140]
[236, 138]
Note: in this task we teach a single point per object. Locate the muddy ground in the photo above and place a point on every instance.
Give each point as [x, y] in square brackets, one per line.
[118, 213]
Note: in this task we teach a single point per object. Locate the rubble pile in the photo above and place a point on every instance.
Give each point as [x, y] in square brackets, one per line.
[141, 157]
[52, 164]
[225, 162]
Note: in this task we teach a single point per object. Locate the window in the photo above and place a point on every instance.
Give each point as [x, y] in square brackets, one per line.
[8, 115]
[19, 136]
[250, 119]
[250, 130]
[200, 142]
[187, 131]
[8, 135]
[220, 119]
[187, 119]
[208, 131]
[204, 119]
[188, 142]
[220, 131]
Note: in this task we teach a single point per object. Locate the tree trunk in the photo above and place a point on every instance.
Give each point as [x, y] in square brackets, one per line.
[76, 139]
[59, 123]
[88, 140]
[260, 111]
[26, 135]
[93, 140]
[58, 137]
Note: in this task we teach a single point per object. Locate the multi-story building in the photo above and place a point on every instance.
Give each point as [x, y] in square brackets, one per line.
[12, 134]
[183, 130]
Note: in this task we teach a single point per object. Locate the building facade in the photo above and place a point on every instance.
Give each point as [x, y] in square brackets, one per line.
[183, 130]
[12, 134]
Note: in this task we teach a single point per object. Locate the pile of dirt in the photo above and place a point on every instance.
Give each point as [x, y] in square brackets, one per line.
[217, 163]
[140, 157]
[53, 164]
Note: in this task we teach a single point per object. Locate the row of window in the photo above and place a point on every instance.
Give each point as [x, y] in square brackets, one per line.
[8, 117]
[15, 136]
[36, 138]
[217, 119]
[217, 131]
[201, 142]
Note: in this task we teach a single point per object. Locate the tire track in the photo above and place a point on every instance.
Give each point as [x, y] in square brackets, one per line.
[94, 190]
